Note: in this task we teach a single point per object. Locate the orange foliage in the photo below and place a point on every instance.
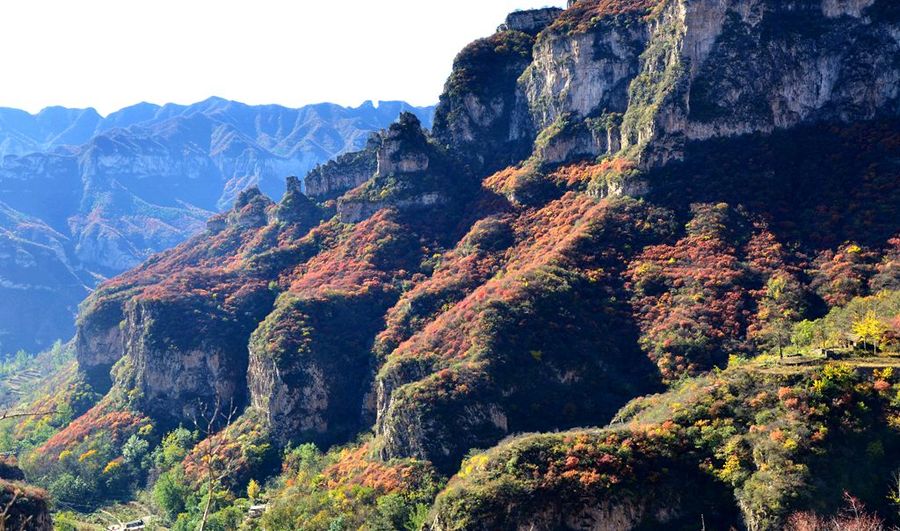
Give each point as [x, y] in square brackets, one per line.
[582, 173]
[356, 468]
[504, 181]
[100, 419]
[365, 259]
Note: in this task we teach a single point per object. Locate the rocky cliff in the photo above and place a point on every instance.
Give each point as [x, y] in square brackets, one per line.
[410, 173]
[648, 76]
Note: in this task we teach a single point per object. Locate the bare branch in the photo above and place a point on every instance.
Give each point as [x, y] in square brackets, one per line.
[12, 415]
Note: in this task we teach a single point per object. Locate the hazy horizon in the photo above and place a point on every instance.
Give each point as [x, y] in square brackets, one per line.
[375, 103]
[111, 55]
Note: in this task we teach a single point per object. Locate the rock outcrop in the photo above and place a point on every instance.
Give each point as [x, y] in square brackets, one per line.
[478, 117]
[530, 21]
[332, 179]
[649, 76]
[410, 175]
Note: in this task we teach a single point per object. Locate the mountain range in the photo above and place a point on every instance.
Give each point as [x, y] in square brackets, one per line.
[85, 197]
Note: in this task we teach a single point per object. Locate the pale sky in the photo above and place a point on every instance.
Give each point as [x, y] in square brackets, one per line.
[108, 54]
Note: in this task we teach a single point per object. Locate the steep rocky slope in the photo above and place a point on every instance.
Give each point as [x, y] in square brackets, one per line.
[115, 190]
[608, 207]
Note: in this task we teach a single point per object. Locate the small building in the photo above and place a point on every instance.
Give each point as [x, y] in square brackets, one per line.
[256, 511]
[134, 525]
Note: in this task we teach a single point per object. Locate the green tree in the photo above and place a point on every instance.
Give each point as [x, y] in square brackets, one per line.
[171, 492]
[780, 307]
[134, 450]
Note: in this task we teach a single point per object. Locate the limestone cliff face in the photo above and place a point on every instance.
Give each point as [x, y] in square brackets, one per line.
[478, 117]
[99, 342]
[312, 385]
[650, 78]
[409, 175]
[178, 373]
[330, 180]
[530, 21]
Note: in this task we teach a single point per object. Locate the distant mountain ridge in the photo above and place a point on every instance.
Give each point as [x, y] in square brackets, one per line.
[99, 195]
[22, 133]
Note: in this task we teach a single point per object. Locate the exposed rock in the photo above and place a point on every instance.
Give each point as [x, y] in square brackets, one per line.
[250, 210]
[330, 180]
[698, 69]
[178, 371]
[355, 210]
[583, 73]
[530, 21]
[480, 116]
[296, 208]
[409, 175]
[99, 342]
[312, 386]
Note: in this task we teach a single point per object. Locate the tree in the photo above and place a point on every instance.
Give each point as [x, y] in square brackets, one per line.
[253, 490]
[208, 459]
[134, 450]
[781, 305]
[869, 329]
[171, 491]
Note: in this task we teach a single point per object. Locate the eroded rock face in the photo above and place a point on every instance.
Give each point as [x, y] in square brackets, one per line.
[408, 175]
[295, 207]
[354, 211]
[530, 20]
[585, 74]
[480, 116]
[99, 343]
[309, 371]
[346, 172]
[178, 371]
[697, 69]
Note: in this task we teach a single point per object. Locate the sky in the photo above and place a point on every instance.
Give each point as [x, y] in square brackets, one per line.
[109, 54]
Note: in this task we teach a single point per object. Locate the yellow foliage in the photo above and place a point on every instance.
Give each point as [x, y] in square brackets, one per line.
[884, 374]
[112, 466]
[253, 489]
[473, 464]
[87, 455]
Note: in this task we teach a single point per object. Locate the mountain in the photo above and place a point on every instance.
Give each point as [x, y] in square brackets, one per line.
[111, 191]
[642, 273]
